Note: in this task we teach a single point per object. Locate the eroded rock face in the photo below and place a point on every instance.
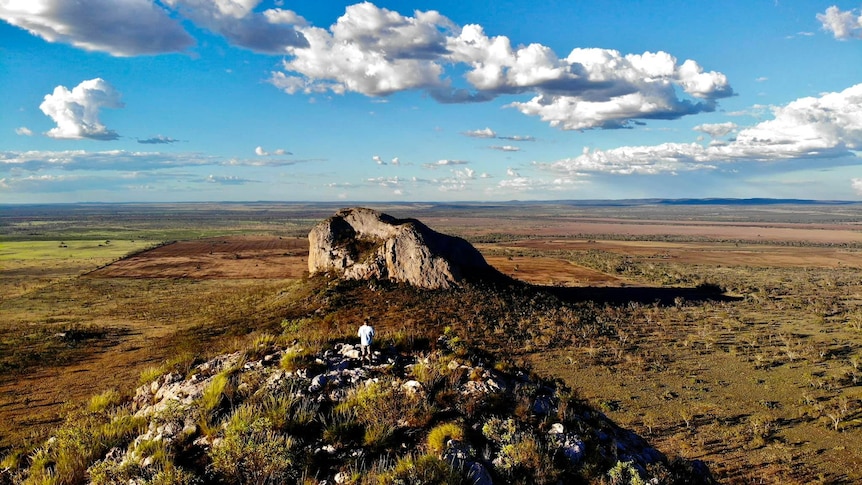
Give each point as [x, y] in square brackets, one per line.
[361, 243]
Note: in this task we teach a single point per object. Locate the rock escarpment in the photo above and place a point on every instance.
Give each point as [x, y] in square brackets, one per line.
[360, 243]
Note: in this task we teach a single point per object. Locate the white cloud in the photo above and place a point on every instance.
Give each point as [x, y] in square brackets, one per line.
[387, 182]
[445, 163]
[717, 130]
[377, 52]
[395, 161]
[844, 25]
[121, 160]
[23, 131]
[227, 180]
[378, 160]
[141, 27]
[528, 184]
[271, 31]
[512, 173]
[828, 126]
[857, 185]
[761, 79]
[484, 133]
[76, 112]
[259, 151]
[517, 138]
[506, 148]
[158, 140]
[118, 27]
[592, 88]
[369, 50]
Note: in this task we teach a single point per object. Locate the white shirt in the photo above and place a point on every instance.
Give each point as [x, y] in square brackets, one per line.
[366, 333]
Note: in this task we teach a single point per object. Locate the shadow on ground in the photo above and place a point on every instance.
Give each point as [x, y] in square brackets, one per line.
[643, 295]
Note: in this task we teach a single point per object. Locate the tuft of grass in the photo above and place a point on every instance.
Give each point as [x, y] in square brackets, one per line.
[81, 440]
[215, 393]
[104, 401]
[439, 436]
[253, 452]
[422, 469]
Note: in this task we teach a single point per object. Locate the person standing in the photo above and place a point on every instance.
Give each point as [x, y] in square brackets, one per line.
[366, 336]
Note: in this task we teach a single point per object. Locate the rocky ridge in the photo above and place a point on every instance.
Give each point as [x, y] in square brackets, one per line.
[437, 416]
[361, 244]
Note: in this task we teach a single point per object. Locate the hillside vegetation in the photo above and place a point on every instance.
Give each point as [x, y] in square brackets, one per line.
[301, 407]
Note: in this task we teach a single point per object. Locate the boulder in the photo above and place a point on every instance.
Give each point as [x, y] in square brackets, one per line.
[364, 244]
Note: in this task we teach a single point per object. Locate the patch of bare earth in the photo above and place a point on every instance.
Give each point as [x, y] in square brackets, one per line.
[238, 257]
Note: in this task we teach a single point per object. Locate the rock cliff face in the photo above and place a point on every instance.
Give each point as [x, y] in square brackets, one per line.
[361, 243]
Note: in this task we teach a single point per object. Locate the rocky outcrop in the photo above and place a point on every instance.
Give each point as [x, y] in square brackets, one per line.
[568, 438]
[359, 243]
[256, 413]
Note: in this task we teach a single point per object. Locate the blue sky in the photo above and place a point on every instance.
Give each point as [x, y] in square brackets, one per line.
[245, 100]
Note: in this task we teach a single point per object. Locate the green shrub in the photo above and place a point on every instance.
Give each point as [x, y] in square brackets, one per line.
[254, 453]
[500, 431]
[624, 473]
[79, 442]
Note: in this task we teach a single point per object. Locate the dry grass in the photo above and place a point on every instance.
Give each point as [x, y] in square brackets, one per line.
[763, 387]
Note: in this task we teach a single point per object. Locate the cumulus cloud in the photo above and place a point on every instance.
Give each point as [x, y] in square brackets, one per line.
[158, 140]
[601, 88]
[857, 185]
[828, 126]
[369, 50]
[395, 161]
[259, 151]
[141, 27]
[118, 27]
[76, 112]
[376, 52]
[459, 180]
[484, 133]
[271, 31]
[23, 131]
[717, 130]
[444, 163]
[512, 173]
[378, 160]
[506, 148]
[844, 25]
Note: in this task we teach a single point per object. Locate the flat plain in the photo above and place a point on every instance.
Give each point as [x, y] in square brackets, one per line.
[760, 378]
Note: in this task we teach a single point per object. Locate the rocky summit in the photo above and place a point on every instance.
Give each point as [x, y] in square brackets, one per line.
[360, 243]
[273, 414]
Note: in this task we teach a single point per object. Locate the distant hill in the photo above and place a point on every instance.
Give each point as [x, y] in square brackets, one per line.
[708, 201]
